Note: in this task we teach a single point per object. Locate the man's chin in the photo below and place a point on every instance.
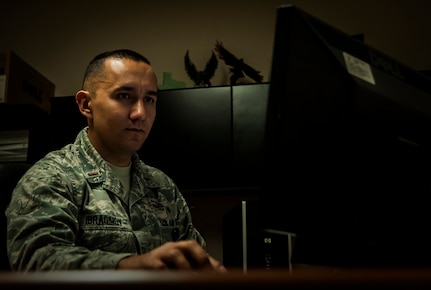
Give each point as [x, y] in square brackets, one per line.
[134, 146]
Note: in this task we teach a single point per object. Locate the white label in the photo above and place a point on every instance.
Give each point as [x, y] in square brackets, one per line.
[2, 88]
[359, 68]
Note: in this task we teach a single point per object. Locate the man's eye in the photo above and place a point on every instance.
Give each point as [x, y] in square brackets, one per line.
[124, 96]
[149, 100]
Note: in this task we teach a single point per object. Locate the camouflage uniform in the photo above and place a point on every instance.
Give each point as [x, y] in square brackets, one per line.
[68, 212]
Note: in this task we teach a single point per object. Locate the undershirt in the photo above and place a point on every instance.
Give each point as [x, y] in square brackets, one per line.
[123, 173]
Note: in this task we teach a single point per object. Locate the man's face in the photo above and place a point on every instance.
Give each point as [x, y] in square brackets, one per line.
[123, 109]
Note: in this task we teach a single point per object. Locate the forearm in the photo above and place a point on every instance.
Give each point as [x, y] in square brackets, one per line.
[39, 252]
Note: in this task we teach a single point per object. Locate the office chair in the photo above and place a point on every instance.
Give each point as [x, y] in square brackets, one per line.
[10, 173]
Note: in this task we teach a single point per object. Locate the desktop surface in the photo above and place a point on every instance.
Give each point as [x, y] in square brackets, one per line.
[306, 278]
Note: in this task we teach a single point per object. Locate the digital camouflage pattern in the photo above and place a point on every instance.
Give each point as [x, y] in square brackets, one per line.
[67, 212]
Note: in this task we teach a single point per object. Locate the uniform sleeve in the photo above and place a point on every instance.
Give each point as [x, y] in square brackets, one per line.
[42, 225]
[190, 233]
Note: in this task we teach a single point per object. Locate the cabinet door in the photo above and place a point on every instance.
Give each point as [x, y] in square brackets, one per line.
[248, 125]
[191, 137]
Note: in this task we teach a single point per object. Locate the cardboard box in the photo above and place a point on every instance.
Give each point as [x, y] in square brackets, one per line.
[22, 84]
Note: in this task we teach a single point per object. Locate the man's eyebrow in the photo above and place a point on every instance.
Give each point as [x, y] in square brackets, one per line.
[131, 88]
[124, 88]
[153, 93]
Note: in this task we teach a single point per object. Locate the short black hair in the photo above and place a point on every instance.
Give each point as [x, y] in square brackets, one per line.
[97, 63]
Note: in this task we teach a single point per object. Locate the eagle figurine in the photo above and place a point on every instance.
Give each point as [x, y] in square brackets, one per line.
[239, 68]
[201, 78]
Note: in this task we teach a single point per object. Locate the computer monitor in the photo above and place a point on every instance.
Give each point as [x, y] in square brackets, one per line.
[347, 163]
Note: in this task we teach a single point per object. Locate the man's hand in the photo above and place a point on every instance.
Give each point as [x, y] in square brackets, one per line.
[182, 255]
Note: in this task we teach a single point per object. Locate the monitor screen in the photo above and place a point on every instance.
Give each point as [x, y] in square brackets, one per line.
[347, 163]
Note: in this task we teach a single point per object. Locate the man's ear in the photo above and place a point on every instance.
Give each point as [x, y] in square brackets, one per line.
[83, 100]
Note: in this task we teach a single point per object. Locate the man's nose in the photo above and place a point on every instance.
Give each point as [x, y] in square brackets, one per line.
[138, 110]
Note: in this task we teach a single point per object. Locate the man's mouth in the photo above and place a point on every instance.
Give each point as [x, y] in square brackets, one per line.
[135, 130]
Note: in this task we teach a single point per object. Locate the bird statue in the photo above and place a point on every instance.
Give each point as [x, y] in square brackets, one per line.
[238, 68]
[201, 78]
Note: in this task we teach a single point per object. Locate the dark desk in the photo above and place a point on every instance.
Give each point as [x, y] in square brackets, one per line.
[254, 279]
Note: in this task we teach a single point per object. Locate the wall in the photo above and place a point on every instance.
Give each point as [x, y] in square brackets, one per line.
[59, 37]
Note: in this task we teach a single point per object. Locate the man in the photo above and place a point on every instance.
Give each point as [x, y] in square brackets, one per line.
[94, 204]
